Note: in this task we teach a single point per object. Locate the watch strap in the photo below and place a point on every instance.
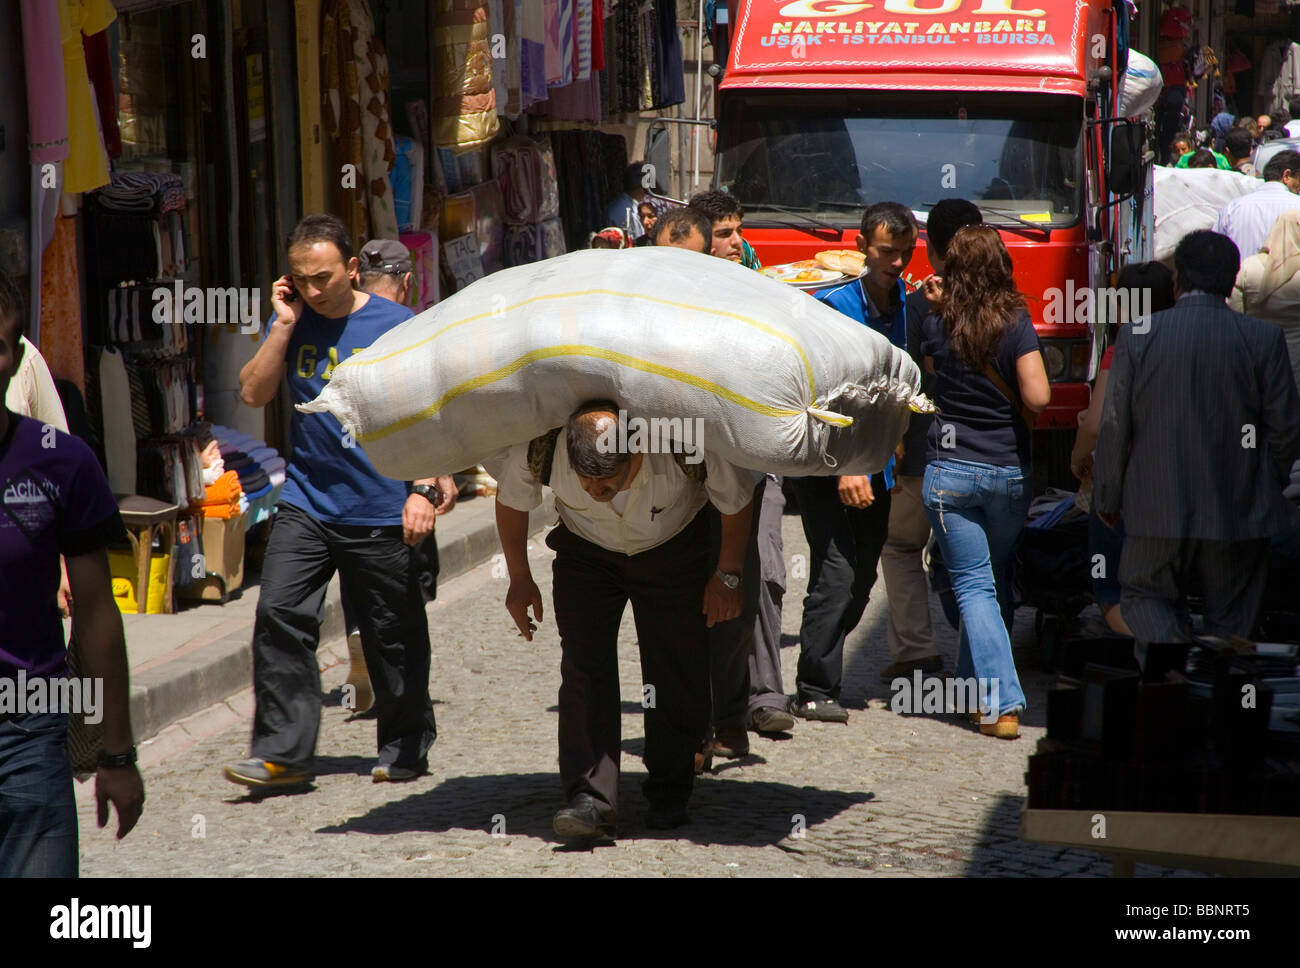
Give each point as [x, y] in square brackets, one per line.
[118, 759]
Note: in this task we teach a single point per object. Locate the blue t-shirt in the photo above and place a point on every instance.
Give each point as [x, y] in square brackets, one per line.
[54, 500]
[852, 300]
[329, 480]
[984, 427]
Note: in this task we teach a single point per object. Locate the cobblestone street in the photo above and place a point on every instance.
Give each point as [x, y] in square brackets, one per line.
[885, 795]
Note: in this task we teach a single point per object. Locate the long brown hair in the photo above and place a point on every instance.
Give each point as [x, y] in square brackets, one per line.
[980, 300]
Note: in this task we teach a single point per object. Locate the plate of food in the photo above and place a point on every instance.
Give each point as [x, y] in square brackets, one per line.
[806, 273]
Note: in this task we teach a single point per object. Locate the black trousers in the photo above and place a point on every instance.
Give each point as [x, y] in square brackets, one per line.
[382, 578]
[665, 585]
[844, 544]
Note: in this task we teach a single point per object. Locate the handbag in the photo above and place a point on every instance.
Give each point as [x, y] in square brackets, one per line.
[1017, 405]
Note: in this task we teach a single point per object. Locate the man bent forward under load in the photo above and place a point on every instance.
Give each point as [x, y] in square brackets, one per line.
[633, 526]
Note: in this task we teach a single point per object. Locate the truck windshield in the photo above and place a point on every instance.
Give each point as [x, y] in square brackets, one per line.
[829, 155]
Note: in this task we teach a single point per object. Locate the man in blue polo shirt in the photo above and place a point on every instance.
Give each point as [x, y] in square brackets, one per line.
[846, 519]
[336, 512]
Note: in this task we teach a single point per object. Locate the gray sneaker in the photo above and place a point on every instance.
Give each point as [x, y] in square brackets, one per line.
[820, 710]
[263, 773]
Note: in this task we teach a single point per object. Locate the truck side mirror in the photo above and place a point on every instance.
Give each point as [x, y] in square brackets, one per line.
[1124, 158]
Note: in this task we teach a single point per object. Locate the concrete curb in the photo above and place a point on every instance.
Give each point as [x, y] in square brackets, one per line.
[167, 693]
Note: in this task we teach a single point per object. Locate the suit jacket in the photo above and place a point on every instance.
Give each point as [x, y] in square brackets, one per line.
[1200, 426]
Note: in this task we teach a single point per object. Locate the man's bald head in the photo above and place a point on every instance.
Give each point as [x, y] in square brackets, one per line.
[592, 440]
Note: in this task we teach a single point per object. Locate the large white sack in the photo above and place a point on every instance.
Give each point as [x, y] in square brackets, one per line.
[781, 382]
[1140, 86]
[1187, 199]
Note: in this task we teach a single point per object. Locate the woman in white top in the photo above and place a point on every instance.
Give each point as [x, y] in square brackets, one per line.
[1268, 284]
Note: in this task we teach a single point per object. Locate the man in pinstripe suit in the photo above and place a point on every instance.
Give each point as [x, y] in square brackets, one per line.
[1200, 427]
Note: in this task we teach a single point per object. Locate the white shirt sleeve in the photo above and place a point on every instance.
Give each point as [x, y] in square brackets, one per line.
[516, 486]
[32, 392]
[730, 487]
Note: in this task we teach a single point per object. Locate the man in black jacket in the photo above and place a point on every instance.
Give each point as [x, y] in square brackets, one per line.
[1200, 427]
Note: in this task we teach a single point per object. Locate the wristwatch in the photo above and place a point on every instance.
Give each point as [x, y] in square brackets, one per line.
[113, 760]
[429, 492]
[731, 581]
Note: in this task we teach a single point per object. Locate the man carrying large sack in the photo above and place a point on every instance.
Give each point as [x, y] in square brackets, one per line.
[632, 527]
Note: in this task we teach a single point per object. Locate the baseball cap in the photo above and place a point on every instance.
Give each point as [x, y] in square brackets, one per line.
[385, 255]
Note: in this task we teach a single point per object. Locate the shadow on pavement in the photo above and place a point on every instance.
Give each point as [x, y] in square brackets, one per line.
[749, 814]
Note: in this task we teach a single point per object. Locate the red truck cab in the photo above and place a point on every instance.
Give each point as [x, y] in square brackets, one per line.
[826, 106]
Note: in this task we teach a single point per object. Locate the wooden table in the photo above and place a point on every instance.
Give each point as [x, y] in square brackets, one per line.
[1234, 844]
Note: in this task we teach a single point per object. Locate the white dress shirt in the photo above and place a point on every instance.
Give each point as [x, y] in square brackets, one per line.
[1248, 219]
[661, 500]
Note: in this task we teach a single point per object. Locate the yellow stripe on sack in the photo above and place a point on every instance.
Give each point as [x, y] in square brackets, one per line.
[748, 321]
[594, 352]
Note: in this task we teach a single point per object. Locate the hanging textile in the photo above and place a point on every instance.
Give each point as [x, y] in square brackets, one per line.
[87, 165]
[464, 106]
[117, 430]
[99, 68]
[671, 79]
[532, 52]
[580, 100]
[423, 247]
[47, 102]
[626, 93]
[498, 34]
[554, 68]
[565, 40]
[582, 17]
[357, 110]
[512, 106]
[598, 35]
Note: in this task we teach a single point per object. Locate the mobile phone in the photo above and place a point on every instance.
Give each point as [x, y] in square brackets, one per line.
[292, 295]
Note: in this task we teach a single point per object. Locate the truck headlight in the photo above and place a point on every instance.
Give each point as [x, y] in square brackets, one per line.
[1053, 360]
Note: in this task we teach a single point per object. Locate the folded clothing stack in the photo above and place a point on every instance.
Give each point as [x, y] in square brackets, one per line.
[260, 469]
[225, 497]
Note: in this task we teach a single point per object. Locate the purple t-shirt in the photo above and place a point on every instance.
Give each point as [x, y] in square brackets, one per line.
[54, 500]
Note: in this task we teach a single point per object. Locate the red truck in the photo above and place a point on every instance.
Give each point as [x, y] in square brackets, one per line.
[825, 106]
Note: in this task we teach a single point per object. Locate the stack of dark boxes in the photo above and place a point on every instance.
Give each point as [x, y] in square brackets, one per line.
[1187, 732]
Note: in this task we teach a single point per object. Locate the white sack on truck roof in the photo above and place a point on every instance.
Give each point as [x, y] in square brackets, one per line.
[781, 382]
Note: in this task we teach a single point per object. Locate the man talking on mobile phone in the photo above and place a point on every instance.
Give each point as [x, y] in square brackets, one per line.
[336, 512]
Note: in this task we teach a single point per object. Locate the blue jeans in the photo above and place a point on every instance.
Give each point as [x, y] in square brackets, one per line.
[976, 512]
[38, 812]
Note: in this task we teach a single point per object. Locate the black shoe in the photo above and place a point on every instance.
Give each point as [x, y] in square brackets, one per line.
[765, 719]
[666, 818]
[820, 710]
[585, 818]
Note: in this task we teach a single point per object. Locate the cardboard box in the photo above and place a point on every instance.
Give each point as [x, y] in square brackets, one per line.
[223, 561]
